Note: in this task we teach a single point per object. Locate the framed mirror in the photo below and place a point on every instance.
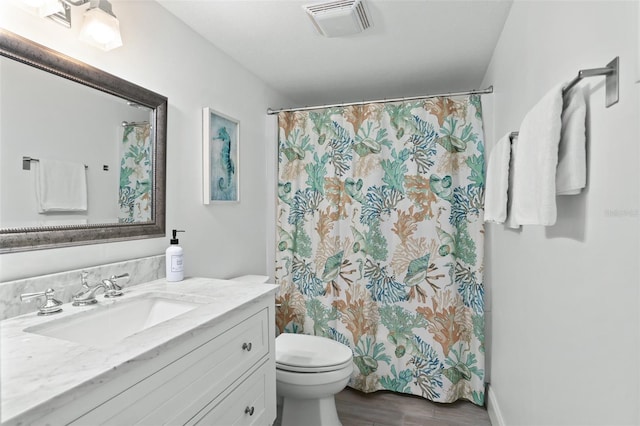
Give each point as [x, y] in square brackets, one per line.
[57, 112]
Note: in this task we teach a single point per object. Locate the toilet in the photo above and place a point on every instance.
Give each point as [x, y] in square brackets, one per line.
[310, 371]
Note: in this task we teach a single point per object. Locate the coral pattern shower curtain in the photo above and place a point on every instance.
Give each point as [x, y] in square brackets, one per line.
[380, 222]
[136, 174]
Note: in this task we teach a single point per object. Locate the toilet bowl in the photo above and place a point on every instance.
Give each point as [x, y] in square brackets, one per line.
[310, 371]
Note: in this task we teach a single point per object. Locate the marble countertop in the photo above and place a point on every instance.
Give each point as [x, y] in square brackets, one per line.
[39, 371]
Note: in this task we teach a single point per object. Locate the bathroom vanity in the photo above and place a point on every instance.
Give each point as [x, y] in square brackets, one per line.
[200, 351]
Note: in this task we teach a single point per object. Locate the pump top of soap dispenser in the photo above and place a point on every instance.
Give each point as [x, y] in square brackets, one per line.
[174, 240]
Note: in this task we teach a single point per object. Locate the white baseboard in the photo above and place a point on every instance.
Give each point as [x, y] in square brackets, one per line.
[495, 415]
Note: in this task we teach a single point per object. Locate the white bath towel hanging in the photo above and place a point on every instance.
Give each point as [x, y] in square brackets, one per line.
[571, 174]
[497, 185]
[534, 192]
[61, 186]
[510, 222]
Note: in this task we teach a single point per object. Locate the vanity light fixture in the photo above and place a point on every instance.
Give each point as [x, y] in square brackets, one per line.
[100, 27]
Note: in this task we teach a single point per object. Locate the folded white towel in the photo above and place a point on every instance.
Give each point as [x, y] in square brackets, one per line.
[534, 192]
[510, 222]
[571, 175]
[497, 185]
[60, 186]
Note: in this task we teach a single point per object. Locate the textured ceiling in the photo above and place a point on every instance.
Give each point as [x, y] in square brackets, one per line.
[414, 47]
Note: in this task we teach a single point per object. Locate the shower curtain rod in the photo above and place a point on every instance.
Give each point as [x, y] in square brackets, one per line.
[134, 123]
[413, 98]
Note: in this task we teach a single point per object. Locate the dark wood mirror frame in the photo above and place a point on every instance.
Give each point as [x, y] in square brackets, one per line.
[23, 239]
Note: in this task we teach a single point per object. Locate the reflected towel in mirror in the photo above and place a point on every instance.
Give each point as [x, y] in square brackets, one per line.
[61, 186]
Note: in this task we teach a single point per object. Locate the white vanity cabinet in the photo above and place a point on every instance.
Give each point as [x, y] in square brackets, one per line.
[222, 375]
[212, 365]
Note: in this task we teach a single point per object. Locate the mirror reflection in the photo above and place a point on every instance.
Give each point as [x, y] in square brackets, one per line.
[51, 119]
[82, 152]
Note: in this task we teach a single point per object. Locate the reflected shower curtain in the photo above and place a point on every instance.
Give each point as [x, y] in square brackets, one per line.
[380, 247]
[136, 178]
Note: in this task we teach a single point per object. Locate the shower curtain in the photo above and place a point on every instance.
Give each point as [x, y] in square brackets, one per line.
[380, 240]
[136, 178]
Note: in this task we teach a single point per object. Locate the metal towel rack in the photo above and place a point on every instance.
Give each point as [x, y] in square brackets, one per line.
[26, 163]
[612, 83]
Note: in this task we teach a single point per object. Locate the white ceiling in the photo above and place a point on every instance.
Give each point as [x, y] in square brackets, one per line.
[414, 47]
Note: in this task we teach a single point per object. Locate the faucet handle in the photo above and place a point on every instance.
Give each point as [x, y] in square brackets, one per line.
[114, 279]
[51, 304]
[113, 289]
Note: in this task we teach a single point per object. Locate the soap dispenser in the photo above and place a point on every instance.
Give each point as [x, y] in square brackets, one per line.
[174, 259]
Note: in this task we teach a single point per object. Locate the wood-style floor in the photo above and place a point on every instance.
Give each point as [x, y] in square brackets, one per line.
[390, 409]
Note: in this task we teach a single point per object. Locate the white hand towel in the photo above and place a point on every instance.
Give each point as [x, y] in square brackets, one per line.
[510, 222]
[61, 186]
[497, 185]
[534, 192]
[571, 175]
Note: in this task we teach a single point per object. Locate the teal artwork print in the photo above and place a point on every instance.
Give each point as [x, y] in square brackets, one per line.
[380, 241]
[223, 158]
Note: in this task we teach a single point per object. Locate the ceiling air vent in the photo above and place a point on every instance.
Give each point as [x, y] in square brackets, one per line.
[339, 18]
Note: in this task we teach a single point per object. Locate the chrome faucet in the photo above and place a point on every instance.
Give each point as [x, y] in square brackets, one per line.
[87, 295]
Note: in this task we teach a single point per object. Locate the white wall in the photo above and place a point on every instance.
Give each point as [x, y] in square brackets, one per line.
[163, 55]
[565, 301]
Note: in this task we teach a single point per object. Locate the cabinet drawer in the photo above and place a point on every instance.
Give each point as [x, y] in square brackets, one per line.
[174, 393]
[245, 405]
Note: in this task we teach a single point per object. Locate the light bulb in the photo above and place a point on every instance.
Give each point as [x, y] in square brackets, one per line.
[45, 7]
[101, 29]
[100, 33]
[33, 3]
[50, 7]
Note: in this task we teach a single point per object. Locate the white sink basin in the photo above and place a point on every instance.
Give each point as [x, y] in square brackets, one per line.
[102, 326]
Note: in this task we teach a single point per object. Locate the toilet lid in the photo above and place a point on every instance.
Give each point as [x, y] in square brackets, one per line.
[301, 352]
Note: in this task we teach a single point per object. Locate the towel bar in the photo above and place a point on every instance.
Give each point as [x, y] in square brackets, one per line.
[26, 163]
[611, 71]
[612, 95]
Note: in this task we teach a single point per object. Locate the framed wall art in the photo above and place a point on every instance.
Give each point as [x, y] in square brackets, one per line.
[220, 144]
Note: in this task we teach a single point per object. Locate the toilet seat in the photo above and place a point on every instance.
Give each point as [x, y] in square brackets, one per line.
[303, 353]
[299, 369]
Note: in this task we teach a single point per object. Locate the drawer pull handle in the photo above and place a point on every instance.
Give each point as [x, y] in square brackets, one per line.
[246, 346]
[249, 411]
